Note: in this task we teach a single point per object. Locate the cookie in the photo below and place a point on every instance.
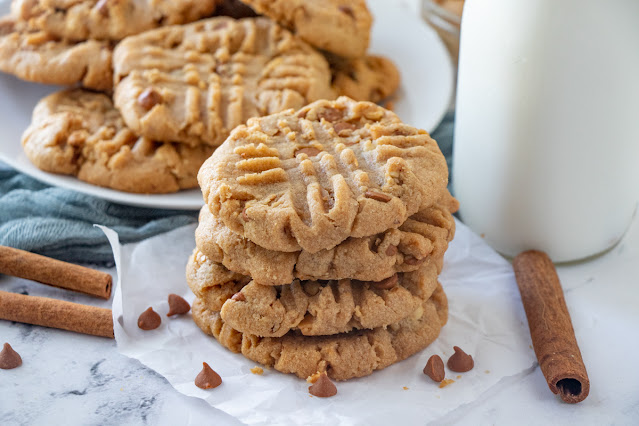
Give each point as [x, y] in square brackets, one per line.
[424, 235]
[235, 9]
[371, 78]
[342, 356]
[80, 20]
[341, 27]
[194, 83]
[311, 307]
[80, 133]
[311, 179]
[36, 56]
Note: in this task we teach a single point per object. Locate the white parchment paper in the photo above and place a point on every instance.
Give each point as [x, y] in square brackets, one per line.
[486, 320]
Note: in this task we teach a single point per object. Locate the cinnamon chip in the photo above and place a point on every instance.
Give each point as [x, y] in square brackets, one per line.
[207, 378]
[309, 150]
[378, 196]
[460, 361]
[177, 305]
[238, 297]
[342, 126]
[245, 216]
[149, 320]
[323, 387]
[391, 251]
[386, 284]
[149, 98]
[331, 114]
[435, 368]
[347, 10]
[9, 358]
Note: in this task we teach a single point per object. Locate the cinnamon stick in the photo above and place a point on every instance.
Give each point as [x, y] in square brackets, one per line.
[31, 266]
[551, 330]
[55, 313]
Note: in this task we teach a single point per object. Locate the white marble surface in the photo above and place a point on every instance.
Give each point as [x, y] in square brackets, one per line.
[74, 379]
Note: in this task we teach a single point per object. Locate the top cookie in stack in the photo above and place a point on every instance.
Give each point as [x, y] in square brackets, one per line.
[322, 239]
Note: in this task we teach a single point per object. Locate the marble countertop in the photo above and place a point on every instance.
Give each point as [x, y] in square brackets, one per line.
[76, 379]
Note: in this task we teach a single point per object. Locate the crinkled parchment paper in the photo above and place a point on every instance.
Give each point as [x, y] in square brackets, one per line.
[486, 320]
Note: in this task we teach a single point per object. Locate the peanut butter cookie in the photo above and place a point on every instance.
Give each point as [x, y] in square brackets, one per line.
[311, 307]
[338, 26]
[79, 20]
[342, 356]
[311, 179]
[80, 133]
[36, 56]
[372, 78]
[424, 235]
[195, 83]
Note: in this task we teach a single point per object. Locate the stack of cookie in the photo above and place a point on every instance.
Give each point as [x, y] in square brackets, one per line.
[321, 241]
[161, 92]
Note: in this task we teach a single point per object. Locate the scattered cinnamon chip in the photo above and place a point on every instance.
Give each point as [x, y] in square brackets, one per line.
[149, 98]
[9, 358]
[378, 196]
[446, 382]
[391, 251]
[411, 260]
[309, 150]
[238, 297]
[323, 387]
[342, 126]
[149, 320]
[207, 378]
[460, 361]
[386, 284]
[257, 370]
[435, 368]
[177, 305]
[331, 114]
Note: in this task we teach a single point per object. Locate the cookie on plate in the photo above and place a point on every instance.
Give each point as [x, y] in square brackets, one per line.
[342, 356]
[313, 308]
[79, 20]
[81, 133]
[341, 27]
[194, 83]
[313, 178]
[36, 56]
[371, 78]
[425, 235]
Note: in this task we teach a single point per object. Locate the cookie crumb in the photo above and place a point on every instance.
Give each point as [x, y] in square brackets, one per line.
[405, 388]
[458, 377]
[257, 370]
[487, 371]
[446, 382]
[313, 378]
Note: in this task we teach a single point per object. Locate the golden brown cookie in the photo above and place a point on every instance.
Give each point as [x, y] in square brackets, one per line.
[80, 133]
[371, 78]
[79, 20]
[424, 235]
[342, 356]
[338, 26]
[311, 179]
[36, 56]
[311, 307]
[195, 83]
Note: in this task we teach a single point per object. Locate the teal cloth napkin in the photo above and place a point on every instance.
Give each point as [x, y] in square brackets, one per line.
[58, 222]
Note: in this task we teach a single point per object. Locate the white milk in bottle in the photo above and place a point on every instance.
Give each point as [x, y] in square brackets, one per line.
[546, 147]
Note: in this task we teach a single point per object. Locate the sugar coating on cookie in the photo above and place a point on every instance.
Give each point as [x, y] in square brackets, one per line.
[342, 356]
[81, 133]
[37, 56]
[312, 178]
[424, 235]
[80, 20]
[208, 77]
[341, 27]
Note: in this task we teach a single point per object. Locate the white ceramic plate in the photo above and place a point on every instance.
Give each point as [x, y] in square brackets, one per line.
[399, 33]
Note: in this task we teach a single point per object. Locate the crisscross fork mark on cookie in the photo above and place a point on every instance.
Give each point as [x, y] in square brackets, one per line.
[342, 356]
[425, 235]
[210, 76]
[311, 179]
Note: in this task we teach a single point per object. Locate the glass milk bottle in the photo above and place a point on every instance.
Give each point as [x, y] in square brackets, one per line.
[547, 128]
